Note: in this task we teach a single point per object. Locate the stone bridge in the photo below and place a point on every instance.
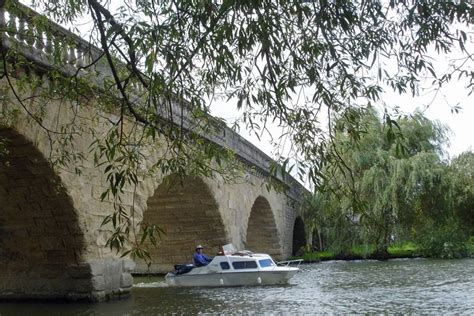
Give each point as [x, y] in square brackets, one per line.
[52, 244]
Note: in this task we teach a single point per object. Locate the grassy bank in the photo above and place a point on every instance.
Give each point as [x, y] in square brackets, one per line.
[361, 252]
[407, 250]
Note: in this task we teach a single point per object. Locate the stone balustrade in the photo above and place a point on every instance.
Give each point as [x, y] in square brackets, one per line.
[46, 44]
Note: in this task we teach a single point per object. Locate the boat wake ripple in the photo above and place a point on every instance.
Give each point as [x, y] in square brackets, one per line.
[151, 284]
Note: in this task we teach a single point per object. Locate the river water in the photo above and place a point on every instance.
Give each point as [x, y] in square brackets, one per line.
[419, 286]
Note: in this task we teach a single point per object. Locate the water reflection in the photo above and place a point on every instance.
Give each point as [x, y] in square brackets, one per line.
[396, 286]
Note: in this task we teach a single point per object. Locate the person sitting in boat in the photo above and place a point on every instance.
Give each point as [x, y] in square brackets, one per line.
[200, 259]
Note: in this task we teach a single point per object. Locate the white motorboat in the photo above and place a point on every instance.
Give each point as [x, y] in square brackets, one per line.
[234, 268]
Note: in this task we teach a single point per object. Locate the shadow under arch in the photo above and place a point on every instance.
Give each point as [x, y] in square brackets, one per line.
[262, 233]
[299, 235]
[185, 209]
[40, 240]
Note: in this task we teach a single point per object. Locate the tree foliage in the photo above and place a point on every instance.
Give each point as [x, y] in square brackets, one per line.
[462, 177]
[287, 62]
[265, 54]
[393, 189]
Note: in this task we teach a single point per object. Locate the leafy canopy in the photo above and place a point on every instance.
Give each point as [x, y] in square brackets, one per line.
[282, 61]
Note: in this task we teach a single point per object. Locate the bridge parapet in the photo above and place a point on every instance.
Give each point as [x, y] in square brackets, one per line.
[53, 47]
[50, 45]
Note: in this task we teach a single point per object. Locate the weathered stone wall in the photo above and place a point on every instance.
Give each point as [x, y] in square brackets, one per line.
[40, 239]
[50, 218]
[188, 214]
[207, 211]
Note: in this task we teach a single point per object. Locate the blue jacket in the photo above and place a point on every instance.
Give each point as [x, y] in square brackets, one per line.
[200, 260]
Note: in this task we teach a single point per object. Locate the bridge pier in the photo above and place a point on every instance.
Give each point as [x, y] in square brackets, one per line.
[96, 281]
[110, 278]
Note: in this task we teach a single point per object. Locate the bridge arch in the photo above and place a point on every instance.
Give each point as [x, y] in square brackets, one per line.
[41, 242]
[186, 210]
[299, 235]
[262, 233]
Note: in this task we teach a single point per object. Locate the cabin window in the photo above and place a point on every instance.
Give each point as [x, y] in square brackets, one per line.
[225, 266]
[265, 263]
[244, 265]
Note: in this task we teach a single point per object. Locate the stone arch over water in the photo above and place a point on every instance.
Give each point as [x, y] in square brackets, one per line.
[299, 235]
[262, 232]
[41, 243]
[186, 210]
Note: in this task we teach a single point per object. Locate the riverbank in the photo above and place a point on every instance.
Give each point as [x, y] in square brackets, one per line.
[361, 253]
[408, 250]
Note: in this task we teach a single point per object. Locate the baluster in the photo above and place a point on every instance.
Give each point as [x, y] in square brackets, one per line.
[49, 44]
[86, 57]
[21, 29]
[58, 48]
[30, 34]
[39, 43]
[2, 18]
[3, 25]
[12, 29]
[61, 48]
[72, 55]
[64, 53]
[80, 57]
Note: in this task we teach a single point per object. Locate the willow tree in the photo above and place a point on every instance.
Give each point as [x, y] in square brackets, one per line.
[391, 181]
[285, 62]
[447, 212]
[462, 178]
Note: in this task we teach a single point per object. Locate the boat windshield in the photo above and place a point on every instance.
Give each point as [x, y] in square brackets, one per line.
[265, 263]
[228, 249]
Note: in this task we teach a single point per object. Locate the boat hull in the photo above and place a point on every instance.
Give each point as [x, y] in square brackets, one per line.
[232, 279]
